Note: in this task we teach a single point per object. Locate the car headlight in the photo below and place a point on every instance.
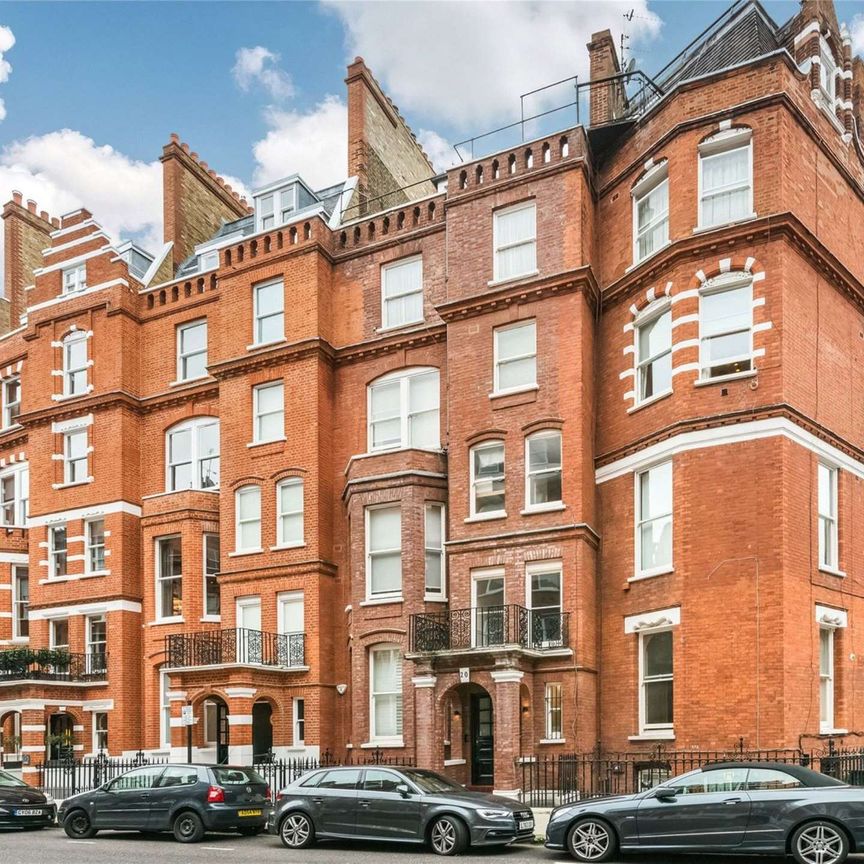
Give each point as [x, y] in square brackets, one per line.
[49, 799]
[495, 814]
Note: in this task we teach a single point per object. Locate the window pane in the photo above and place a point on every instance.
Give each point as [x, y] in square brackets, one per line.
[180, 446]
[656, 491]
[385, 529]
[655, 337]
[270, 299]
[546, 590]
[516, 341]
[658, 654]
[656, 543]
[193, 338]
[725, 311]
[249, 501]
[488, 461]
[386, 577]
[250, 535]
[386, 671]
[270, 427]
[517, 373]
[403, 278]
[653, 205]
[656, 377]
[433, 527]
[515, 226]
[423, 392]
[725, 169]
[291, 497]
[544, 452]
[385, 400]
[826, 490]
[658, 702]
[270, 398]
[516, 260]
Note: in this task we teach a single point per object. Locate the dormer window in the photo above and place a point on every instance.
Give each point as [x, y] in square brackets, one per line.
[287, 204]
[208, 260]
[265, 212]
[74, 279]
[277, 203]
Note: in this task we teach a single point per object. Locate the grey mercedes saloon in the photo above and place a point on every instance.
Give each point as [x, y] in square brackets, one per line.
[407, 805]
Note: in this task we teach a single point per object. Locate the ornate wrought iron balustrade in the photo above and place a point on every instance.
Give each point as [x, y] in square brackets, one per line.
[51, 664]
[238, 645]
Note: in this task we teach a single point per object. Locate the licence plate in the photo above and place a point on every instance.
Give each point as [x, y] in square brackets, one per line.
[28, 812]
[525, 824]
[248, 812]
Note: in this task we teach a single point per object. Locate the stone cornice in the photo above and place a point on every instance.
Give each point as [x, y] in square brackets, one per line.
[580, 279]
[508, 539]
[429, 335]
[280, 569]
[275, 355]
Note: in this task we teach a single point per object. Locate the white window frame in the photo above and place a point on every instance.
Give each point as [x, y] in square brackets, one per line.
[257, 318]
[650, 316]
[529, 473]
[238, 520]
[209, 711]
[646, 728]
[20, 572]
[76, 276]
[70, 462]
[382, 596]
[639, 521]
[732, 283]
[828, 72]
[828, 519]
[182, 356]
[208, 260]
[164, 710]
[90, 546]
[269, 213]
[391, 266]
[160, 578]
[479, 625]
[90, 654]
[496, 216]
[217, 616]
[196, 459]
[20, 483]
[374, 737]
[55, 553]
[492, 514]
[404, 377]
[98, 746]
[722, 143]
[430, 507]
[553, 693]
[539, 567]
[258, 415]
[657, 177]
[69, 371]
[54, 643]
[497, 362]
[298, 722]
[278, 213]
[826, 683]
[11, 407]
[281, 541]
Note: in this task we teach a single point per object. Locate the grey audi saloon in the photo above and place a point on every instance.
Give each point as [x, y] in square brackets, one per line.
[407, 805]
[732, 807]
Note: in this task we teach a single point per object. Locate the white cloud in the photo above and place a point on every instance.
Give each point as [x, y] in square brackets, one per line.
[313, 144]
[7, 40]
[440, 152]
[65, 170]
[260, 65]
[856, 31]
[485, 54]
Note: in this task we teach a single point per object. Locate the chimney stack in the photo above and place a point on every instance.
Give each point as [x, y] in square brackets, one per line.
[607, 99]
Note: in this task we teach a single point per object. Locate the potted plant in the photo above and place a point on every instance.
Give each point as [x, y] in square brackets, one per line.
[12, 751]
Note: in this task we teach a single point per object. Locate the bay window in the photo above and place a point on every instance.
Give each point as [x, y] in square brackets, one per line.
[402, 293]
[384, 552]
[726, 329]
[169, 578]
[192, 457]
[514, 233]
[247, 503]
[726, 178]
[515, 357]
[654, 355]
[543, 469]
[651, 213]
[385, 672]
[654, 520]
[289, 512]
[404, 411]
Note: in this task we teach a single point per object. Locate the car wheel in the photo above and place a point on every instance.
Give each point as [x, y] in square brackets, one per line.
[448, 836]
[591, 840]
[188, 827]
[820, 843]
[251, 832]
[77, 825]
[296, 831]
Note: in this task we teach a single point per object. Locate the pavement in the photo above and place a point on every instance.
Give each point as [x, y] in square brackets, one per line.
[52, 846]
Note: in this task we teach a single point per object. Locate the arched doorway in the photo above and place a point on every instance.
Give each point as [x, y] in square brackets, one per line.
[10, 739]
[469, 714]
[60, 736]
[262, 731]
[216, 727]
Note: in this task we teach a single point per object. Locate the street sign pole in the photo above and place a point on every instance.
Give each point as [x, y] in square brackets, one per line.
[188, 720]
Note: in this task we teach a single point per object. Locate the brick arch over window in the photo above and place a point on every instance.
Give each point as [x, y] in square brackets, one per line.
[650, 169]
[726, 131]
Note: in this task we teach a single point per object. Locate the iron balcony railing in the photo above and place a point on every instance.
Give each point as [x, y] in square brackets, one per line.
[240, 645]
[51, 664]
[490, 627]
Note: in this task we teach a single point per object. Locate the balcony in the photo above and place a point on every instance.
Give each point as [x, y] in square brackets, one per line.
[237, 647]
[50, 664]
[490, 628]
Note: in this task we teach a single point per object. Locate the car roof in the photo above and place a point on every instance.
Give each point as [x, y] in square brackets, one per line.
[807, 776]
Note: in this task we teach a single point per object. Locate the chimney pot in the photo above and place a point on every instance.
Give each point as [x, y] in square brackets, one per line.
[43, 214]
[31, 205]
[17, 197]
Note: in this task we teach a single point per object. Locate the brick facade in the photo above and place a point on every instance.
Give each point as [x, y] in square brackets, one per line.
[743, 595]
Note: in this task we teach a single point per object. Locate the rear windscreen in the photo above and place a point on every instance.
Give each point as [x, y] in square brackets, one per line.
[236, 776]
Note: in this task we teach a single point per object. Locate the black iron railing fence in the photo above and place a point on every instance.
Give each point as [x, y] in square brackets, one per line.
[51, 664]
[490, 627]
[238, 645]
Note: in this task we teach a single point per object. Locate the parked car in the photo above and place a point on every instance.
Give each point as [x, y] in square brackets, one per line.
[187, 800]
[732, 807]
[406, 805]
[23, 806]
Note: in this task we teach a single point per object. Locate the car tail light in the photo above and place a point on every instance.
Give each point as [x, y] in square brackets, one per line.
[267, 794]
[279, 796]
[215, 795]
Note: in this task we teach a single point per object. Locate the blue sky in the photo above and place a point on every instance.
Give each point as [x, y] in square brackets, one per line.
[257, 88]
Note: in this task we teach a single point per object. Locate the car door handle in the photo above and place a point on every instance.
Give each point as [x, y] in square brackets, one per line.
[733, 800]
[318, 800]
[145, 794]
[363, 803]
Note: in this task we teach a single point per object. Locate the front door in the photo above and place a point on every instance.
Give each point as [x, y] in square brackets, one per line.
[482, 740]
[221, 733]
[262, 731]
[60, 731]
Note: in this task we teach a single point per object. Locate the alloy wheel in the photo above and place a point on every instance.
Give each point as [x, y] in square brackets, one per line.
[820, 844]
[295, 830]
[590, 841]
[443, 836]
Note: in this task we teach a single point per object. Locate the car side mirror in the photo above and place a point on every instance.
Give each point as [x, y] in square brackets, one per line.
[403, 789]
[665, 793]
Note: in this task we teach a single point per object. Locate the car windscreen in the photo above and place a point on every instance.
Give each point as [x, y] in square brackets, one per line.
[7, 779]
[429, 781]
[237, 776]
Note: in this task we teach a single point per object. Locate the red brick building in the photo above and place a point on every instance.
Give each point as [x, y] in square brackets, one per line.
[562, 448]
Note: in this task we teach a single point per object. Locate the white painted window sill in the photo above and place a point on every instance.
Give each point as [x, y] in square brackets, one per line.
[552, 741]
[196, 380]
[270, 344]
[11, 428]
[177, 619]
[658, 735]
[381, 601]
[494, 283]
[67, 397]
[723, 379]
[487, 517]
[450, 762]
[701, 229]
[434, 598]
[71, 485]
[280, 546]
[268, 441]
[239, 553]
[657, 397]
[390, 328]
[554, 507]
[651, 574]
[832, 572]
[382, 742]
[513, 391]
[833, 731]
[211, 619]
[213, 491]
[51, 580]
